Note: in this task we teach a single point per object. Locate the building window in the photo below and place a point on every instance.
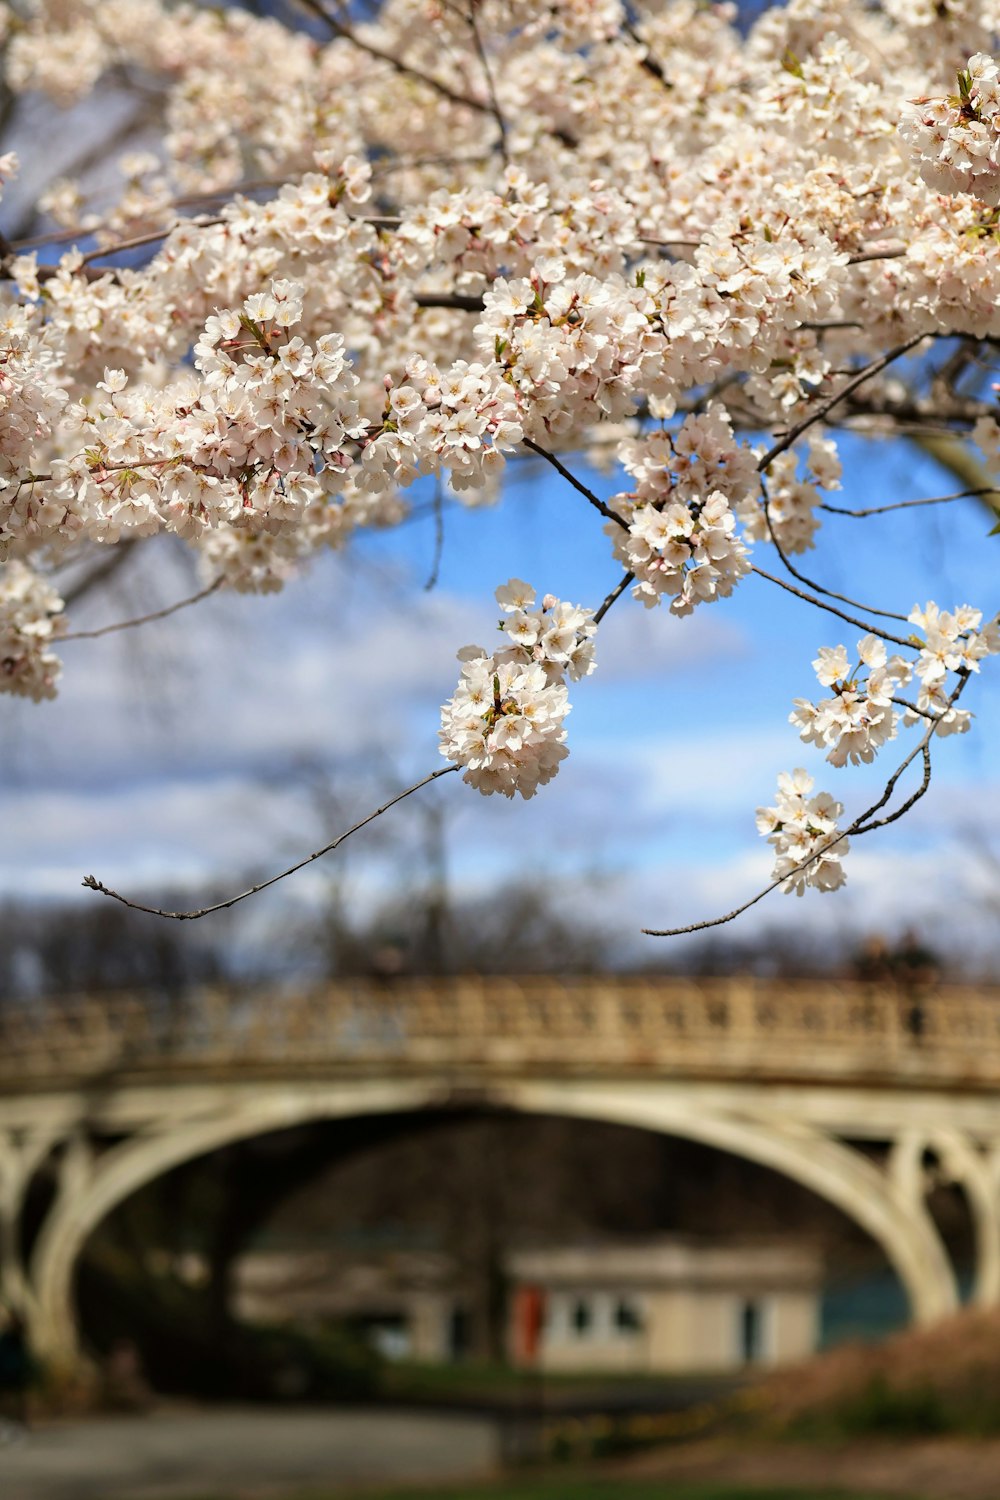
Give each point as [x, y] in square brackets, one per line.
[581, 1317]
[628, 1318]
[751, 1332]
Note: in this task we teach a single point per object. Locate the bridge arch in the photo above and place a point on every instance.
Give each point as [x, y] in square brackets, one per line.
[835, 1171]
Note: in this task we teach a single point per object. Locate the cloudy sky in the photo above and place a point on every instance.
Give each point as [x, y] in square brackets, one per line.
[232, 738]
[243, 732]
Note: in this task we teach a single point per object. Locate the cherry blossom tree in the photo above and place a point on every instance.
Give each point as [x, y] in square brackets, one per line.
[424, 244]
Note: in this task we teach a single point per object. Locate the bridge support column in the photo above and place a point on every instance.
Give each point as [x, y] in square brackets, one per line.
[21, 1154]
[972, 1168]
[89, 1188]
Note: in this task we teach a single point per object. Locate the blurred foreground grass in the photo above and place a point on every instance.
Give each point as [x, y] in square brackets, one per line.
[576, 1487]
[565, 1487]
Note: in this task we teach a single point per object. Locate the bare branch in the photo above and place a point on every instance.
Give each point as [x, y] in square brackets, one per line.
[645, 239]
[457, 300]
[438, 536]
[887, 614]
[93, 884]
[880, 510]
[346, 33]
[139, 240]
[646, 60]
[105, 568]
[470, 17]
[571, 478]
[831, 610]
[891, 252]
[157, 614]
[615, 594]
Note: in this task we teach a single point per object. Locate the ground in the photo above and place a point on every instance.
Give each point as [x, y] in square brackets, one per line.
[274, 1454]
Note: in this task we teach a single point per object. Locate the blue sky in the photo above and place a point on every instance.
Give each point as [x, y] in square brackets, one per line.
[187, 751]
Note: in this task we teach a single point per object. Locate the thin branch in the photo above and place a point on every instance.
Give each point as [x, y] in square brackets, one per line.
[645, 239]
[615, 594]
[901, 811]
[730, 916]
[438, 536]
[88, 273]
[571, 478]
[93, 884]
[145, 239]
[831, 610]
[346, 34]
[184, 200]
[864, 823]
[831, 324]
[892, 253]
[414, 163]
[647, 61]
[457, 300]
[484, 63]
[887, 614]
[106, 568]
[880, 510]
[157, 614]
[869, 370]
[912, 708]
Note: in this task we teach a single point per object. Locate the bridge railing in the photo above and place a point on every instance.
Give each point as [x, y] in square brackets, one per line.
[741, 1026]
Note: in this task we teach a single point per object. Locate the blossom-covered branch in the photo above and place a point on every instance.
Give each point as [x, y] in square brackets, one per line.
[677, 291]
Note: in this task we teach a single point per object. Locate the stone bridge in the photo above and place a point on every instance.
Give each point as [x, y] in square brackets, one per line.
[865, 1095]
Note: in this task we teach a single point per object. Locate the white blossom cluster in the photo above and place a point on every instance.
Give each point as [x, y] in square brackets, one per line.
[681, 539]
[955, 141]
[802, 829]
[504, 723]
[793, 498]
[30, 618]
[858, 718]
[426, 241]
[572, 346]
[953, 643]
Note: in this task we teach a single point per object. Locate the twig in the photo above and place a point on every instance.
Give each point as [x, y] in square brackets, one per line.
[345, 33]
[571, 478]
[647, 60]
[893, 253]
[438, 537]
[880, 510]
[830, 324]
[861, 825]
[484, 63]
[145, 239]
[457, 300]
[615, 594]
[157, 614]
[817, 416]
[912, 708]
[831, 610]
[887, 614]
[414, 163]
[93, 884]
[106, 568]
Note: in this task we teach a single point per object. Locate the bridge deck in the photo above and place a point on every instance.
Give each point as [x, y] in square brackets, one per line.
[724, 1028]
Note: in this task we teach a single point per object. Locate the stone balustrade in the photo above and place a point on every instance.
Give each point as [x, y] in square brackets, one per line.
[660, 1025]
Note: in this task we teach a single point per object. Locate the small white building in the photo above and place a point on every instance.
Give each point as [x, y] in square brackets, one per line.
[663, 1306]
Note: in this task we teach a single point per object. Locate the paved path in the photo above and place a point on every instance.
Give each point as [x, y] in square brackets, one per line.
[245, 1453]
